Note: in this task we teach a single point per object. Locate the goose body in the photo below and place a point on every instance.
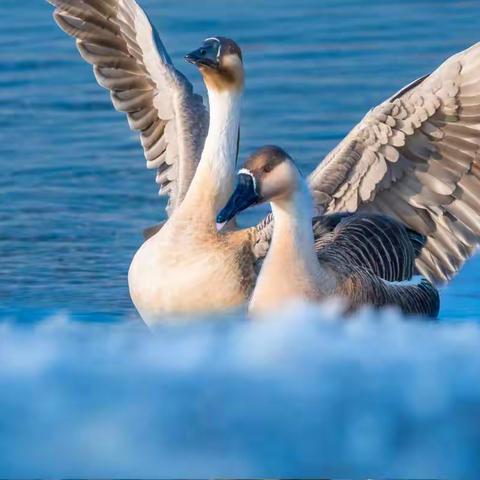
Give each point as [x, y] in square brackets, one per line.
[413, 158]
[172, 270]
[186, 265]
[347, 260]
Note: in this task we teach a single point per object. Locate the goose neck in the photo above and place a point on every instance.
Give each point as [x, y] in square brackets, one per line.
[213, 180]
[293, 220]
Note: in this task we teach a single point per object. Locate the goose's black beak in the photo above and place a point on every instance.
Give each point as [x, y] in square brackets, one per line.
[205, 56]
[244, 196]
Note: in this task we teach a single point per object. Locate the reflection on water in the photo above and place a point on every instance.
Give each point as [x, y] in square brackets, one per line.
[75, 193]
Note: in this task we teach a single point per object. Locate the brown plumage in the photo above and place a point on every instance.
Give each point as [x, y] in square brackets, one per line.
[415, 157]
[228, 74]
[373, 257]
[129, 60]
[365, 259]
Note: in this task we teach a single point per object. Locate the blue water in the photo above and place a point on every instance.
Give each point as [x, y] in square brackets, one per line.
[75, 193]
[75, 197]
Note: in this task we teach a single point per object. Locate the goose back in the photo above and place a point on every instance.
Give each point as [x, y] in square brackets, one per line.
[373, 257]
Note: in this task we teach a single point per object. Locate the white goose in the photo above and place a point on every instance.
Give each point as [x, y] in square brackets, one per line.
[196, 170]
[414, 157]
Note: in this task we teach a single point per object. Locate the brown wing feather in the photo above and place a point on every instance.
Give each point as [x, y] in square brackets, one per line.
[362, 288]
[373, 257]
[374, 242]
[416, 157]
[128, 58]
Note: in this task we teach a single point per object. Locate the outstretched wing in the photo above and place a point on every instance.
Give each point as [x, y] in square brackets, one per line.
[415, 157]
[128, 58]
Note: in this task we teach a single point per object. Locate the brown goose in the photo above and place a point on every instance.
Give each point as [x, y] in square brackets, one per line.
[366, 259]
[414, 158]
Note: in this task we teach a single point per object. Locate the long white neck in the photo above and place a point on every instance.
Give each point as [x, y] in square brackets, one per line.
[291, 270]
[213, 180]
[292, 233]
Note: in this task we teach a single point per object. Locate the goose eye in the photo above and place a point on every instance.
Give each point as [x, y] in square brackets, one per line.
[267, 168]
[203, 52]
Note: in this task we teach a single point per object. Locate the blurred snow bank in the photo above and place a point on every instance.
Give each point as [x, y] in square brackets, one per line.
[302, 394]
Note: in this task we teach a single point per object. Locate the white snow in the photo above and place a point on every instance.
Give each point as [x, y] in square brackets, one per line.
[302, 393]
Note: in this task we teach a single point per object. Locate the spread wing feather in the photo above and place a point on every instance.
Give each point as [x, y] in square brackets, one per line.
[129, 59]
[415, 157]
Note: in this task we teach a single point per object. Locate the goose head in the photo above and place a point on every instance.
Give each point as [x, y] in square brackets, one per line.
[220, 62]
[268, 175]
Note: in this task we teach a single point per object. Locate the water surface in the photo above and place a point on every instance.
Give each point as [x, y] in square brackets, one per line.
[75, 195]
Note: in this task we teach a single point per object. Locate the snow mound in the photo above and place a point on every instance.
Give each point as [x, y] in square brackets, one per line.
[302, 393]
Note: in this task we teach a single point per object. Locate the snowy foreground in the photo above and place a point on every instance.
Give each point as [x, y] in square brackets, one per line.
[302, 394]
